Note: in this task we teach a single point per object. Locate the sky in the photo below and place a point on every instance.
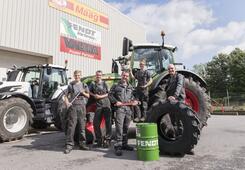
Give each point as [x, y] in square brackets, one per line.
[200, 29]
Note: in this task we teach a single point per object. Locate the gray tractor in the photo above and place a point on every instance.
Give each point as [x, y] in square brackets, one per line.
[31, 96]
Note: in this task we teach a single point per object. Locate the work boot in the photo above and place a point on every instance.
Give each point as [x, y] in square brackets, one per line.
[107, 143]
[136, 120]
[191, 152]
[68, 149]
[118, 151]
[127, 148]
[98, 144]
[83, 146]
[142, 119]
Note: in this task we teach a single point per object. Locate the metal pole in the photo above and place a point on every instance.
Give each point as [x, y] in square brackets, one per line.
[228, 100]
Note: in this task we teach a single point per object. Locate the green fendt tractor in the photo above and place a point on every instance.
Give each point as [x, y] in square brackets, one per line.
[179, 124]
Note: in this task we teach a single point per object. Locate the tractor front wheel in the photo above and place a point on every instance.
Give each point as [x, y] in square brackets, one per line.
[15, 117]
[183, 135]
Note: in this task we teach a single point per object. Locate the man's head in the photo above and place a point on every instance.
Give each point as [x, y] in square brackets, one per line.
[77, 75]
[171, 69]
[142, 64]
[98, 75]
[125, 77]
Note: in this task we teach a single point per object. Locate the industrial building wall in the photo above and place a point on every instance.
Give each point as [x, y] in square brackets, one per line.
[10, 59]
[33, 27]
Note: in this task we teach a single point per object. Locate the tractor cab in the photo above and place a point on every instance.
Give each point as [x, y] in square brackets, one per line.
[157, 58]
[43, 79]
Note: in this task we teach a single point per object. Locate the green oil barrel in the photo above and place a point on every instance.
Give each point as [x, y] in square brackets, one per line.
[147, 141]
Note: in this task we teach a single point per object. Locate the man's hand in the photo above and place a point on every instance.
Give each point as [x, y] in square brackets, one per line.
[68, 104]
[134, 102]
[171, 98]
[82, 92]
[96, 96]
[118, 104]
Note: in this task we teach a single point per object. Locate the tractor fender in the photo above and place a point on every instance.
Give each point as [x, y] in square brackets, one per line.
[188, 74]
[196, 93]
[59, 92]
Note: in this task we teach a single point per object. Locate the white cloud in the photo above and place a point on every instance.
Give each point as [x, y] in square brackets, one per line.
[220, 39]
[187, 25]
[124, 6]
[176, 18]
[228, 49]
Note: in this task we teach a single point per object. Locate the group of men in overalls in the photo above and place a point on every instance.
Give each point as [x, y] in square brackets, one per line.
[122, 96]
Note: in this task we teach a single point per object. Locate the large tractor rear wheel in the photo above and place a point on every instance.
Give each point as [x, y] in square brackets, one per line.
[15, 117]
[198, 100]
[185, 133]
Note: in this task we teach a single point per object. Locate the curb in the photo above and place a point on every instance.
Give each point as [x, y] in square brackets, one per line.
[236, 113]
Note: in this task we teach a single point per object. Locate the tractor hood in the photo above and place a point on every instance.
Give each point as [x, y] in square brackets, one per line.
[9, 87]
[110, 79]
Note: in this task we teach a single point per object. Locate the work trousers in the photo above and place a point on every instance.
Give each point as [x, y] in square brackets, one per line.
[143, 96]
[123, 118]
[76, 117]
[99, 114]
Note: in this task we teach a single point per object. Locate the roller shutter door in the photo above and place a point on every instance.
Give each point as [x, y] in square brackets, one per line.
[8, 59]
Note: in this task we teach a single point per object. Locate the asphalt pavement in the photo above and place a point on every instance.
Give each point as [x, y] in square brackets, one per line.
[221, 147]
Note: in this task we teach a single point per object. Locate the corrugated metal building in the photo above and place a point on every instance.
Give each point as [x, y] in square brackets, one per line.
[88, 33]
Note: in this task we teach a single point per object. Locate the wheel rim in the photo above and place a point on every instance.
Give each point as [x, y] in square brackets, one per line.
[192, 100]
[15, 119]
[170, 134]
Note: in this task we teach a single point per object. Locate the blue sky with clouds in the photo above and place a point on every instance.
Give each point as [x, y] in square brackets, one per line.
[199, 28]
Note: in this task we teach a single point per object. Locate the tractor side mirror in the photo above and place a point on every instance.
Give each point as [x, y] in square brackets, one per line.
[49, 70]
[127, 46]
[114, 67]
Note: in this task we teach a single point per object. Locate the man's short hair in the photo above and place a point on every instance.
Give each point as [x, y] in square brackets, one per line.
[98, 71]
[77, 72]
[126, 71]
[171, 65]
[142, 61]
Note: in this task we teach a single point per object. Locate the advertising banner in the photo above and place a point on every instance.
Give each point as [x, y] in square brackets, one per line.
[77, 47]
[79, 32]
[82, 11]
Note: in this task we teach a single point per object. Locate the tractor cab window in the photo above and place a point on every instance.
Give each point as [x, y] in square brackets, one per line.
[31, 75]
[151, 56]
[166, 57]
[52, 78]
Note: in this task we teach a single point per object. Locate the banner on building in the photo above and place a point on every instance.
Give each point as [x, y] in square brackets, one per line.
[77, 47]
[76, 31]
[82, 11]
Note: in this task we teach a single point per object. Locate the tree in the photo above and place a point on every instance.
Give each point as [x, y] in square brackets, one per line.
[226, 72]
[237, 70]
[217, 75]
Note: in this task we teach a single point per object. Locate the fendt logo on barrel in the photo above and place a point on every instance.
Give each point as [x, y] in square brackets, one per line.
[149, 143]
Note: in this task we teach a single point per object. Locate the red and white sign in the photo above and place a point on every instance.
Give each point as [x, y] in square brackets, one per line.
[77, 47]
